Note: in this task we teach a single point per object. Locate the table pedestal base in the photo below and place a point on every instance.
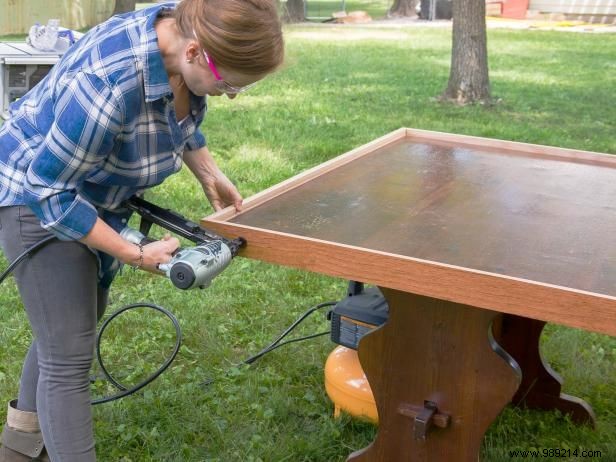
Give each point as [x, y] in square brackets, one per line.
[541, 385]
[437, 378]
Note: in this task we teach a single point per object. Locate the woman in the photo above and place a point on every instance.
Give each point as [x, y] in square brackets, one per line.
[118, 114]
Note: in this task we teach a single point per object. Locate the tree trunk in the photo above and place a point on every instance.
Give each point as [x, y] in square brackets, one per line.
[124, 6]
[295, 11]
[424, 11]
[403, 9]
[468, 78]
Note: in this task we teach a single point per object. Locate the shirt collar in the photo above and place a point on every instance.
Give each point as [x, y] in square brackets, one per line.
[156, 81]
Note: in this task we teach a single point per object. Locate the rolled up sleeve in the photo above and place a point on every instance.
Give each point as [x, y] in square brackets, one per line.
[195, 141]
[86, 119]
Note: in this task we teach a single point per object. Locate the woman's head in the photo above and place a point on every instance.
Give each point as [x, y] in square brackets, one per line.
[242, 36]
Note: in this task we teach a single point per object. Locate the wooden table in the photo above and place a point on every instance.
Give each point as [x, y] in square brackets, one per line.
[476, 243]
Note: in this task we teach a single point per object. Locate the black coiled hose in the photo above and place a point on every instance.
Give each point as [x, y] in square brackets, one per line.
[123, 390]
[178, 332]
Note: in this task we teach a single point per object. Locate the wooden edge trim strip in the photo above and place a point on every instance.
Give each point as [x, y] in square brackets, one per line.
[515, 147]
[307, 175]
[570, 307]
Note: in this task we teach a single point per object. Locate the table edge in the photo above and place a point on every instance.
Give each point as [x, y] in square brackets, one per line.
[480, 289]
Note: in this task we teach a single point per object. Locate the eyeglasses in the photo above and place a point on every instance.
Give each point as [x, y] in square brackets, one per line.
[221, 85]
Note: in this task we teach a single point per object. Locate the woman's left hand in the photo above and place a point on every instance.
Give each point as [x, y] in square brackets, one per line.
[217, 187]
[221, 192]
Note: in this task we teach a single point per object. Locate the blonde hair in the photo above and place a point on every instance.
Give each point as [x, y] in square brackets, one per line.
[242, 35]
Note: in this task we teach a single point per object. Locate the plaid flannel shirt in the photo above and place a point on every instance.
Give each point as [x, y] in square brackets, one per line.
[99, 128]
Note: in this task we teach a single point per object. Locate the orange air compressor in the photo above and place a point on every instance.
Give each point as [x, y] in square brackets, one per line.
[360, 312]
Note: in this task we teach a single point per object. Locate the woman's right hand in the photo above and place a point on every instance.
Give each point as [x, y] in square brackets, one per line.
[104, 238]
[158, 252]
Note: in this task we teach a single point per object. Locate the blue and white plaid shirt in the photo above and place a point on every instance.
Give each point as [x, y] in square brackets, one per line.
[98, 129]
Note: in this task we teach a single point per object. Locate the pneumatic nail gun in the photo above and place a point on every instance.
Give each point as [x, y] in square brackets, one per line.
[190, 267]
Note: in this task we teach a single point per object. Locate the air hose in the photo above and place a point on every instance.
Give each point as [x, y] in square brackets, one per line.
[129, 391]
[124, 391]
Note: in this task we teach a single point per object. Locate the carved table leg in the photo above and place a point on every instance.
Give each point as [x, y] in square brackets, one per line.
[541, 385]
[437, 380]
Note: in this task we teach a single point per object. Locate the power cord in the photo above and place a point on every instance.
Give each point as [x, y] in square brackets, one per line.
[178, 331]
[276, 343]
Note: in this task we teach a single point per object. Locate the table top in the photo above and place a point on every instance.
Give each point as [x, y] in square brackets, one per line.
[523, 212]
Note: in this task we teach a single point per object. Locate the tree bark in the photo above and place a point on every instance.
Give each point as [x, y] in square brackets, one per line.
[124, 6]
[294, 11]
[468, 78]
[424, 11]
[403, 9]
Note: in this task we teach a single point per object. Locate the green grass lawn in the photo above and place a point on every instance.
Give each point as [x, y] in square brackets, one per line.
[319, 9]
[341, 87]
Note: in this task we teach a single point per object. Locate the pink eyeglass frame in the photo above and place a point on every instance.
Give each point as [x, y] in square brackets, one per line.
[226, 87]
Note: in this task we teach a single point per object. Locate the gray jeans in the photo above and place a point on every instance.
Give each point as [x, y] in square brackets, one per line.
[59, 288]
